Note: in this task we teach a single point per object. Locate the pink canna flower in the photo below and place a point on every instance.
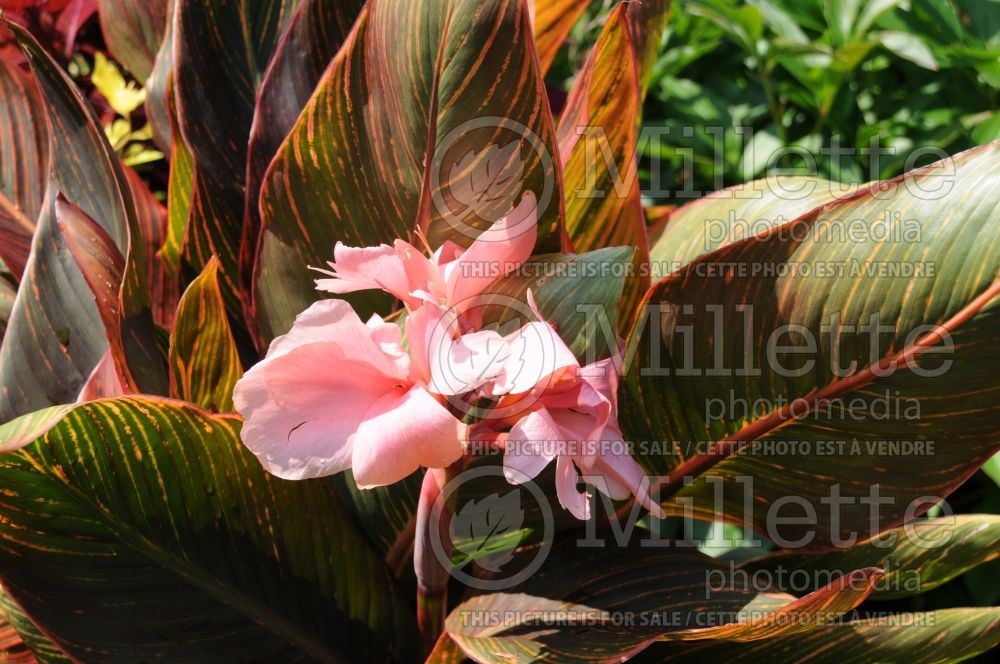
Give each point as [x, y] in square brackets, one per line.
[336, 393]
[569, 414]
[451, 277]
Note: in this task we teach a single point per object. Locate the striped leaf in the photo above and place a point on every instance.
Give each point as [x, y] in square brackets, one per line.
[12, 649]
[937, 278]
[916, 558]
[574, 608]
[55, 336]
[133, 31]
[222, 49]
[21, 640]
[180, 186]
[24, 151]
[315, 34]
[930, 637]
[729, 215]
[138, 529]
[578, 293]
[648, 20]
[552, 21]
[434, 116]
[204, 364]
[597, 146]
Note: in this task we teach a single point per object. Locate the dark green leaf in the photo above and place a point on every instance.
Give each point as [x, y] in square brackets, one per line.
[142, 529]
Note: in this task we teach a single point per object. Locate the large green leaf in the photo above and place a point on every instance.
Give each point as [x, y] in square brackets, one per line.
[722, 402]
[24, 148]
[139, 529]
[607, 604]
[948, 635]
[598, 152]
[54, 337]
[434, 116]
[204, 363]
[579, 293]
[316, 32]
[133, 31]
[222, 50]
[916, 558]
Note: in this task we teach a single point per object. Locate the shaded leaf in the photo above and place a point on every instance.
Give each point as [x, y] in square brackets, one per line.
[55, 336]
[133, 31]
[222, 50]
[916, 558]
[103, 267]
[204, 364]
[948, 635]
[24, 149]
[164, 286]
[607, 604]
[315, 34]
[157, 84]
[211, 556]
[21, 640]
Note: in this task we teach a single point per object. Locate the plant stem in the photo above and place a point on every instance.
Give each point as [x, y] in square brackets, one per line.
[432, 564]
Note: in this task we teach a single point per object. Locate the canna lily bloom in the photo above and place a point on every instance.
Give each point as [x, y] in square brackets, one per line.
[450, 277]
[572, 417]
[336, 393]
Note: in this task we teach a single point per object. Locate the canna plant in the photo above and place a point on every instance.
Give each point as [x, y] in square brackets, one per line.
[299, 412]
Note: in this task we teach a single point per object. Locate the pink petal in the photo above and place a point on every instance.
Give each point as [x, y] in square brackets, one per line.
[382, 267]
[603, 377]
[498, 251]
[429, 332]
[468, 362]
[302, 407]
[624, 477]
[335, 322]
[537, 354]
[577, 503]
[531, 445]
[302, 404]
[402, 432]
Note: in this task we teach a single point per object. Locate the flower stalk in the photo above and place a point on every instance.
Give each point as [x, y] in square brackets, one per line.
[430, 563]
